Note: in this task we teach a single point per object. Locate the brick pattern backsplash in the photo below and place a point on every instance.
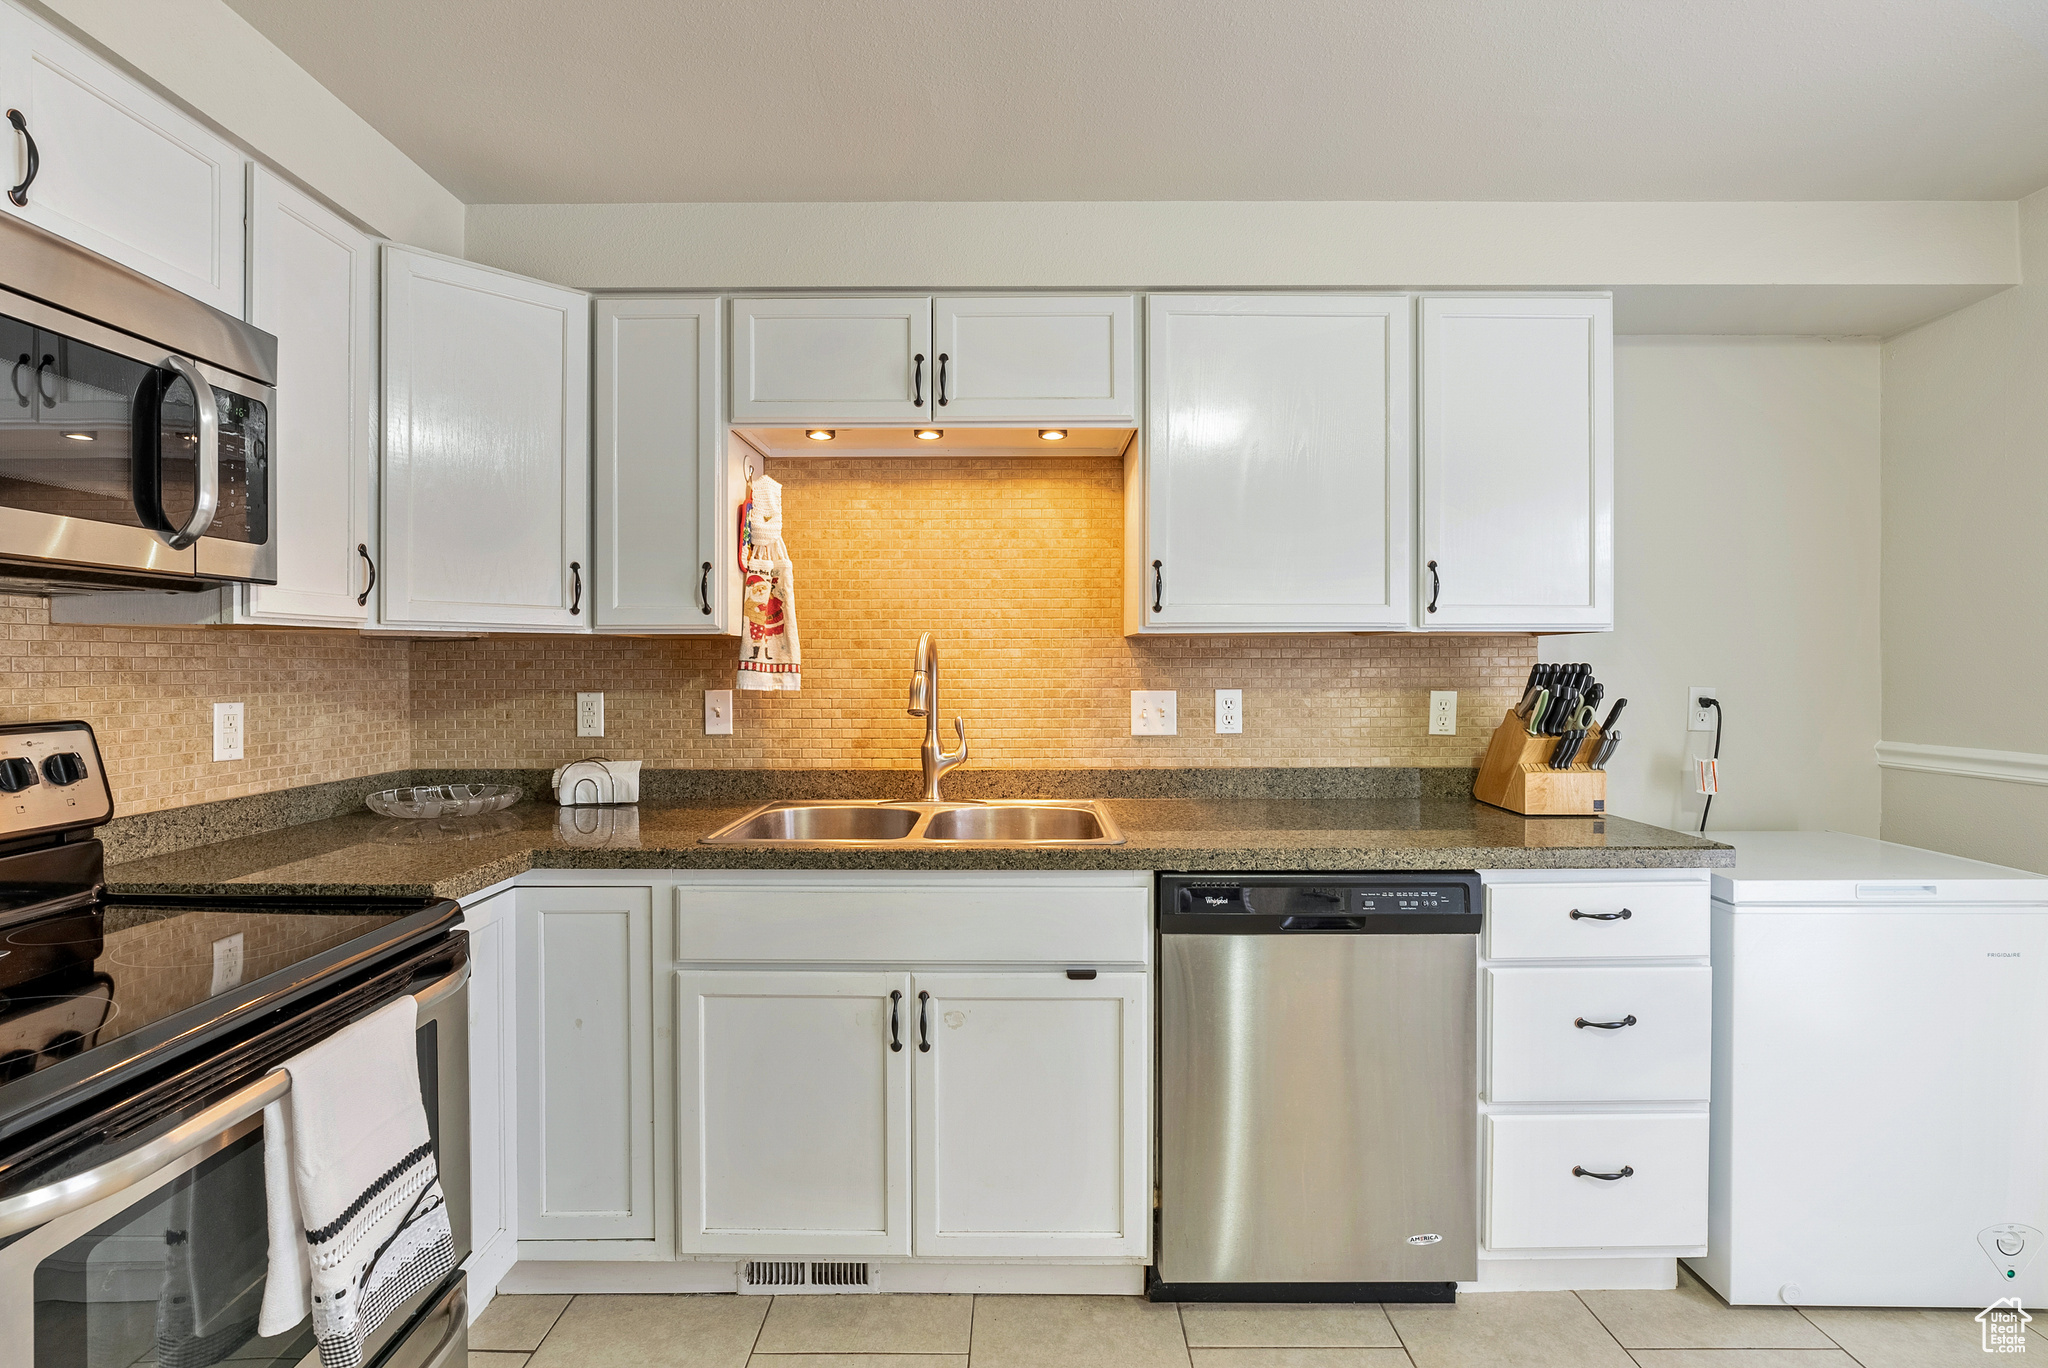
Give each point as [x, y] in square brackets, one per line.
[320, 704]
[1016, 565]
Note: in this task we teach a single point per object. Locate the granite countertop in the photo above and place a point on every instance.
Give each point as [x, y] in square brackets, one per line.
[361, 853]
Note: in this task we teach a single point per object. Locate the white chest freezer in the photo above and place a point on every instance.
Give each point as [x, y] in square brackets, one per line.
[1880, 1095]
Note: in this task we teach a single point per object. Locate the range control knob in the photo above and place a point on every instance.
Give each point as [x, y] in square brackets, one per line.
[2010, 1245]
[16, 774]
[64, 768]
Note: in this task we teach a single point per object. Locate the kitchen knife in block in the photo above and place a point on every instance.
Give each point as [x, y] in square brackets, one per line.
[1516, 774]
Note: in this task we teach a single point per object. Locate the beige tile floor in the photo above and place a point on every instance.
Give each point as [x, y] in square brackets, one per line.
[1686, 1328]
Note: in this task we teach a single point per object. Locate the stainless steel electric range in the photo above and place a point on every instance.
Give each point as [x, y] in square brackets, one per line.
[139, 1039]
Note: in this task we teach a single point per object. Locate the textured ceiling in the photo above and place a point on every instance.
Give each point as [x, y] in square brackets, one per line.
[535, 101]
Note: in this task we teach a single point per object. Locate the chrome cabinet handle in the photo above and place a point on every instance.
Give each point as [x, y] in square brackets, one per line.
[1158, 587]
[1582, 1023]
[1622, 915]
[704, 588]
[39, 1206]
[42, 389]
[575, 588]
[19, 194]
[942, 378]
[924, 1025]
[1626, 1172]
[1436, 586]
[208, 461]
[363, 599]
[917, 381]
[895, 1025]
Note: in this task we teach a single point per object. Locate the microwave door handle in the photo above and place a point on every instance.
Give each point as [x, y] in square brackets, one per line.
[39, 1206]
[208, 461]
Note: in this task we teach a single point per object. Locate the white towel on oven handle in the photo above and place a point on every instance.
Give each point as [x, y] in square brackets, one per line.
[369, 1226]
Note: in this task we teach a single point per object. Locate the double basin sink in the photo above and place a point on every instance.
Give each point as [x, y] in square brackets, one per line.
[866, 823]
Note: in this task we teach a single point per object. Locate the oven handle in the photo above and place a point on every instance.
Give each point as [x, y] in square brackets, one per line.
[39, 1206]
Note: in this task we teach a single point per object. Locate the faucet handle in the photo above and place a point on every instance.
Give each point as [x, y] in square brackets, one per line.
[960, 730]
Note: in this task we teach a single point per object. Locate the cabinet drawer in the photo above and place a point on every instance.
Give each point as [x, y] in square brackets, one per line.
[1537, 1051]
[1613, 921]
[1535, 1201]
[896, 924]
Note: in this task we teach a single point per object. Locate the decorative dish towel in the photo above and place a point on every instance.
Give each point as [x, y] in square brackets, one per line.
[597, 783]
[357, 1220]
[769, 655]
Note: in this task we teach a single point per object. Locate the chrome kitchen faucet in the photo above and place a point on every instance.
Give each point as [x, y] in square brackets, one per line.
[924, 702]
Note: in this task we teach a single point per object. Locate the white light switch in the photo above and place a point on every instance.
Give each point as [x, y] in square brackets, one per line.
[590, 714]
[718, 712]
[227, 963]
[227, 731]
[1152, 712]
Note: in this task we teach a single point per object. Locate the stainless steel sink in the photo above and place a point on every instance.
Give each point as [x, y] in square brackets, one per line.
[1032, 822]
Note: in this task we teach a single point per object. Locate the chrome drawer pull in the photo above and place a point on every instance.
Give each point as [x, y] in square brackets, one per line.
[1626, 1172]
[1582, 1023]
[1622, 915]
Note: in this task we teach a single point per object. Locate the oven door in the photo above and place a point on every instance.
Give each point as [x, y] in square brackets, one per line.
[118, 455]
[170, 1269]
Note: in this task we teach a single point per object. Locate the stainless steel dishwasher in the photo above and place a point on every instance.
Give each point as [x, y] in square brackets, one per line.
[1318, 1087]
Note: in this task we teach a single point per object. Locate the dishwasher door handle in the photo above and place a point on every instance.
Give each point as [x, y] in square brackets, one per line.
[1321, 924]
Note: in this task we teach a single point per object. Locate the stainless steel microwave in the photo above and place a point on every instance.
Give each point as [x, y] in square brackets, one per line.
[135, 428]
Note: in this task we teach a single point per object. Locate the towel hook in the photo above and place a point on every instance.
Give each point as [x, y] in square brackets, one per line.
[750, 470]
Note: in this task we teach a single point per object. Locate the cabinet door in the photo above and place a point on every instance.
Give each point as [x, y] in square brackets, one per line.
[493, 1088]
[1031, 1102]
[1518, 463]
[486, 491]
[1278, 466]
[586, 1064]
[313, 283]
[792, 1098]
[828, 360]
[1030, 358]
[665, 502]
[120, 171]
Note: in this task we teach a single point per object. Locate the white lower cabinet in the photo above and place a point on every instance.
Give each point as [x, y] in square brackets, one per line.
[1030, 1132]
[1603, 1180]
[1600, 1034]
[793, 1114]
[586, 1066]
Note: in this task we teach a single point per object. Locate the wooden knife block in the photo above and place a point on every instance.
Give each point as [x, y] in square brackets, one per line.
[1516, 774]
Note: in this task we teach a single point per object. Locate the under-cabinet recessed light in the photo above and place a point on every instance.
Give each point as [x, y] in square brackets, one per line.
[819, 434]
[83, 436]
[930, 434]
[1052, 434]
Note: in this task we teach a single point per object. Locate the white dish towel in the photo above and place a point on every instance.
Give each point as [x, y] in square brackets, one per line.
[357, 1219]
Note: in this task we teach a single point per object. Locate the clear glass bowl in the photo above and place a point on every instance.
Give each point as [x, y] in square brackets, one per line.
[443, 800]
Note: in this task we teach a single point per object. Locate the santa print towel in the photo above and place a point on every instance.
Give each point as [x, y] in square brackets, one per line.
[357, 1220]
[771, 659]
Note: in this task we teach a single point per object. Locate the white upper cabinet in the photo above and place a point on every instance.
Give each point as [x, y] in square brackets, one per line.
[852, 360]
[1032, 358]
[665, 496]
[313, 283]
[1517, 438]
[118, 169]
[486, 489]
[1278, 484]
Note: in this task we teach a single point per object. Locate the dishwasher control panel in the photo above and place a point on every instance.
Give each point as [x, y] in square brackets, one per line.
[1287, 903]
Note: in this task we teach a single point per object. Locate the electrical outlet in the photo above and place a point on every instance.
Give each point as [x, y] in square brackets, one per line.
[718, 712]
[1229, 711]
[228, 731]
[1698, 718]
[227, 963]
[1152, 712]
[590, 714]
[1443, 712]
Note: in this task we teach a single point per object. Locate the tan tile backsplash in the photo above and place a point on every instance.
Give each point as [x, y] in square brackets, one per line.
[1015, 564]
[319, 704]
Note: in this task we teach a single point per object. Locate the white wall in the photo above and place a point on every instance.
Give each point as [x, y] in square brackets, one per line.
[1747, 544]
[213, 61]
[1966, 563]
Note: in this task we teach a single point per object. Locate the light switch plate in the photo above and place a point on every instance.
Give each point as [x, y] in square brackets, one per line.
[1229, 711]
[227, 963]
[590, 714]
[718, 712]
[1152, 712]
[228, 731]
[1443, 712]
